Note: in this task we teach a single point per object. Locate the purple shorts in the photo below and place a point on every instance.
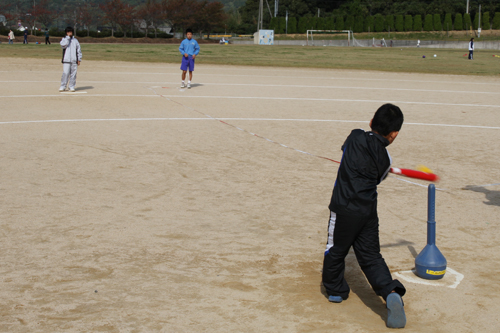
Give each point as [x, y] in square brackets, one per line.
[187, 63]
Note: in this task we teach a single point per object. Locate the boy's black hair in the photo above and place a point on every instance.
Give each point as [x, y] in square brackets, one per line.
[189, 30]
[68, 29]
[387, 119]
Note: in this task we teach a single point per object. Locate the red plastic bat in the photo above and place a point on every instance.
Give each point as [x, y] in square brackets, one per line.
[415, 174]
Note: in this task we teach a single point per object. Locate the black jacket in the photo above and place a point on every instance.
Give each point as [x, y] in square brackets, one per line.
[365, 163]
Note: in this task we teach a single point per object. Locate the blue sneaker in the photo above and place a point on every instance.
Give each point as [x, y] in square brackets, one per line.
[396, 317]
[335, 299]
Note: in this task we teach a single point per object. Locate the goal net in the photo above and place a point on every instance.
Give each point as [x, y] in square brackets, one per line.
[329, 37]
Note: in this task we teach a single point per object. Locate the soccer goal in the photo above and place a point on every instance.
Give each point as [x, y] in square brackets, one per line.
[327, 35]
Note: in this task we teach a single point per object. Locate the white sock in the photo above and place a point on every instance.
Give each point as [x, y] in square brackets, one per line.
[189, 81]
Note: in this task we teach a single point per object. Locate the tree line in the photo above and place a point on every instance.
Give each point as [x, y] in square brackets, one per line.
[381, 23]
[358, 15]
[117, 15]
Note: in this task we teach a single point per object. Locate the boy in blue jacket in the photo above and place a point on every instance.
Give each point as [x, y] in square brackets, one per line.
[189, 49]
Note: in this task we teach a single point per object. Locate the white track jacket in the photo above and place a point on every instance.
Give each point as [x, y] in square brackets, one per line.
[72, 53]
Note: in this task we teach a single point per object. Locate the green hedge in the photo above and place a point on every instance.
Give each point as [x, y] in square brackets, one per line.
[358, 24]
[437, 22]
[408, 23]
[447, 24]
[302, 26]
[428, 26]
[339, 23]
[417, 23]
[475, 24]
[495, 24]
[349, 22]
[467, 22]
[399, 25]
[292, 25]
[379, 23]
[389, 22]
[330, 23]
[361, 23]
[459, 23]
[369, 24]
[485, 21]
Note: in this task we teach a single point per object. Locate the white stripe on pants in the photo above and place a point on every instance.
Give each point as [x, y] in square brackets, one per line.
[69, 72]
[331, 230]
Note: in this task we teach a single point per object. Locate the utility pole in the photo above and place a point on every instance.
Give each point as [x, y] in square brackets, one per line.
[260, 19]
[467, 7]
[276, 3]
[318, 12]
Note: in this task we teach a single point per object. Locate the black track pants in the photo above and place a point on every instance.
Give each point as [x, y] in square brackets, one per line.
[362, 234]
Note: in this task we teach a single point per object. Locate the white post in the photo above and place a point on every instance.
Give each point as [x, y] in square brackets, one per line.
[286, 24]
[467, 7]
[479, 23]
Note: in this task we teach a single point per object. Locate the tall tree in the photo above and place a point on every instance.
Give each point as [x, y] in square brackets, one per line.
[112, 11]
[126, 19]
[44, 14]
[210, 16]
[180, 13]
[87, 16]
[153, 14]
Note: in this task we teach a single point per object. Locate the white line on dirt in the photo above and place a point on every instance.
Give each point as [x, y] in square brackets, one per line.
[262, 98]
[233, 119]
[274, 76]
[275, 85]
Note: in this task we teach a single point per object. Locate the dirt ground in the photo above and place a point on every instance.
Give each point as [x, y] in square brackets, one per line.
[124, 208]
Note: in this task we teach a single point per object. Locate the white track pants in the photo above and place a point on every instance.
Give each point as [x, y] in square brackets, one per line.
[69, 72]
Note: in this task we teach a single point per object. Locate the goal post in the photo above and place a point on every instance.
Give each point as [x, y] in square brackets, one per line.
[311, 33]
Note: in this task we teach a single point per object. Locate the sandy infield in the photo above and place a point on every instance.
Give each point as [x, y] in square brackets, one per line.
[124, 208]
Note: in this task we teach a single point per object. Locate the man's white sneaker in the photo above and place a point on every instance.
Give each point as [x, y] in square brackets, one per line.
[182, 85]
[62, 89]
[72, 89]
[189, 85]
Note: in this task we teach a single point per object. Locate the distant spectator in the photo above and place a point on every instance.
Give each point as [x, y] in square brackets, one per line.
[47, 36]
[418, 43]
[11, 37]
[25, 36]
[471, 48]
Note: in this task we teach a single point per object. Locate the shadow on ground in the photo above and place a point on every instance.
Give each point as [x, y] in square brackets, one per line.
[84, 88]
[493, 197]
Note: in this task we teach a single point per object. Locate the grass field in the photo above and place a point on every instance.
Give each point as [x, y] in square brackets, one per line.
[448, 61]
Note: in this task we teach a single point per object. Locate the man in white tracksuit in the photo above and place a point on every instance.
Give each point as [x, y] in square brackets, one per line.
[72, 56]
